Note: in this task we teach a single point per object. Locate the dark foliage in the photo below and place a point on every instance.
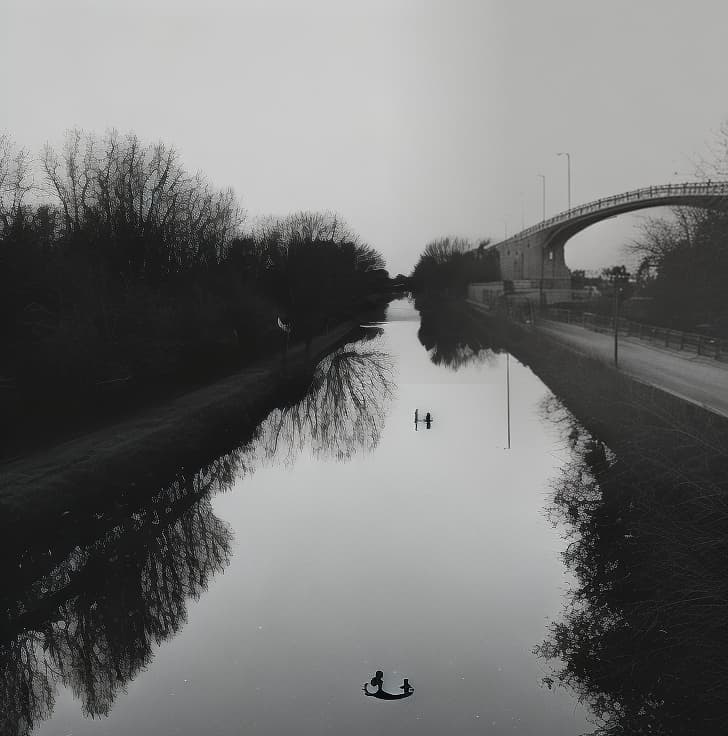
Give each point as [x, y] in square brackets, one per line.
[448, 265]
[134, 273]
[684, 268]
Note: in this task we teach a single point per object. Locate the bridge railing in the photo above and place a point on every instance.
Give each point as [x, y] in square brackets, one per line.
[692, 189]
[690, 342]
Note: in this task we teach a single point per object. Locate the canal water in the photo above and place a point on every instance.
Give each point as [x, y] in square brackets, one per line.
[258, 595]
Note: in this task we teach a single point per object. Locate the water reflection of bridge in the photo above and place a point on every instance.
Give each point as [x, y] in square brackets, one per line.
[533, 259]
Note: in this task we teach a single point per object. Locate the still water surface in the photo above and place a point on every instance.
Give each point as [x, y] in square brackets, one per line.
[259, 595]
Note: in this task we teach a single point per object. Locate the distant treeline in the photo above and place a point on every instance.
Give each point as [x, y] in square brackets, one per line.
[116, 263]
[447, 265]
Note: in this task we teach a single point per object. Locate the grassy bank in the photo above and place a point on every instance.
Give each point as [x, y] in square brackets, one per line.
[39, 418]
[43, 494]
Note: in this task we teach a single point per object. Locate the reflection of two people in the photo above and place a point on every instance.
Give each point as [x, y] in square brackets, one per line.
[378, 682]
[427, 420]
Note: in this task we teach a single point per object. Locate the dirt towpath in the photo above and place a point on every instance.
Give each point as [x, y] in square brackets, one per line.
[39, 490]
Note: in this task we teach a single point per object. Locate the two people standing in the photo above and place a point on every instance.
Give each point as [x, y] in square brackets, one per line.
[427, 420]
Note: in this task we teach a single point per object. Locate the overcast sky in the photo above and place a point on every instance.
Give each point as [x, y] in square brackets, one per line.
[411, 119]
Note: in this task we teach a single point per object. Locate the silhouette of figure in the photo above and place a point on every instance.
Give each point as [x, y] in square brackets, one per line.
[416, 420]
[378, 681]
[428, 420]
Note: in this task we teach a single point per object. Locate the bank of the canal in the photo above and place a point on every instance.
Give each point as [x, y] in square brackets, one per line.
[612, 404]
[42, 493]
[643, 637]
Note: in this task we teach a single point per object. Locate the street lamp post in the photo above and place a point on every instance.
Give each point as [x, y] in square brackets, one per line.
[619, 277]
[568, 176]
[543, 195]
[523, 213]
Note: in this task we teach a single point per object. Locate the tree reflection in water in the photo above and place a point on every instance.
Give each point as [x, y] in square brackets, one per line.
[643, 638]
[342, 411]
[452, 334]
[90, 621]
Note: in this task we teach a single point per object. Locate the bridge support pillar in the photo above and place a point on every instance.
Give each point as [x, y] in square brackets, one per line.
[534, 259]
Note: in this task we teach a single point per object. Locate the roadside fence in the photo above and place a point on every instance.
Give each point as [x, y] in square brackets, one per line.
[691, 342]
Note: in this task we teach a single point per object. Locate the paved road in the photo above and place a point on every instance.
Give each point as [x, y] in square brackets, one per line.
[697, 379]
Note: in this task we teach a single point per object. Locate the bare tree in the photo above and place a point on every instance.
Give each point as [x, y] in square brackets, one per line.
[141, 197]
[715, 164]
[443, 249]
[15, 181]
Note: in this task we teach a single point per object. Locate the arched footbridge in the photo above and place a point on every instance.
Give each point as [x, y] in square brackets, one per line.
[536, 254]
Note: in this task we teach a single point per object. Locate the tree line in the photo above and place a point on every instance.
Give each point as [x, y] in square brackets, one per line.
[116, 262]
[680, 277]
[447, 265]
[683, 268]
